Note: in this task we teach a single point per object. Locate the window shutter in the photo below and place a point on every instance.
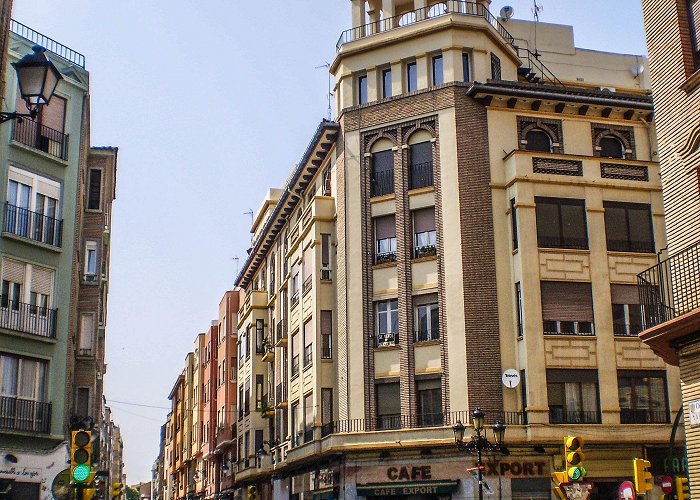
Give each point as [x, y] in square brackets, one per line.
[308, 264]
[424, 220]
[563, 301]
[325, 249]
[308, 334]
[13, 270]
[388, 398]
[42, 280]
[326, 323]
[624, 294]
[326, 405]
[385, 227]
[53, 114]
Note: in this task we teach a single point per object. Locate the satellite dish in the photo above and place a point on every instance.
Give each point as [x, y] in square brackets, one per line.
[507, 12]
[637, 70]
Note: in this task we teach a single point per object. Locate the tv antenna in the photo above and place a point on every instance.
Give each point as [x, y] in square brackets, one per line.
[329, 95]
[251, 213]
[237, 264]
[536, 9]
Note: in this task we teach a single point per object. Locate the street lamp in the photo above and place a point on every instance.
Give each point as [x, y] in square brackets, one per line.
[37, 78]
[479, 442]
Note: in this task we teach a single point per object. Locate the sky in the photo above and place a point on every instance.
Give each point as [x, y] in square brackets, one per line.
[211, 102]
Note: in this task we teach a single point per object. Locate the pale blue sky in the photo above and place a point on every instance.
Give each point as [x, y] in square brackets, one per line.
[210, 103]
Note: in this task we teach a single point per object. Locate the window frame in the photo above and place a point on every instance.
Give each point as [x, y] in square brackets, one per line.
[573, 243]
[629, 245]
[88, 190]
[362, 89]
[386, 90]
[437, 74]
[411, 76]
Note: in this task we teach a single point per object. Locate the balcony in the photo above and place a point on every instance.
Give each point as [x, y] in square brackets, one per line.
[27, 318]
[423, 14]
[671, 288]
[562, 416]
[40, 137]
[268, 351]
[385, 257]
[267, 410]
[32, 225]
[421, 175]
[383, 183]
[643, 416]
[281, 396]
[24, 415]
[281, 335]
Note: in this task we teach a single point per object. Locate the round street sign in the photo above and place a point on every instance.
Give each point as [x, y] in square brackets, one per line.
[511, 378]
[626, 491]
[666, 484]
[60, 487]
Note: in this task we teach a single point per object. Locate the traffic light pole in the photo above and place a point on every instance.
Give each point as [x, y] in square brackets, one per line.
[78, 492]
[481, 479]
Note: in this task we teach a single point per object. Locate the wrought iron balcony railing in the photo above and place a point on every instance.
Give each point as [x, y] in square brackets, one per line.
[33, 225]
[38, 136]
[448, 7]
[643, 416]
[24, 415]
[27, 318]
[383, 182]
[421, 175]
[562, 416]
[671, 288]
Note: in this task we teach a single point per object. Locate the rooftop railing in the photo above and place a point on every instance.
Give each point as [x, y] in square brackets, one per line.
[449, 7]
[49, 44]
[671, 288]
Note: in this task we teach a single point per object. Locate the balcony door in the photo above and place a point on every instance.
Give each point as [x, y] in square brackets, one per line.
[17, 217]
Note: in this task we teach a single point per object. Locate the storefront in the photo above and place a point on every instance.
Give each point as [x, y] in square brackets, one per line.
[29, 475]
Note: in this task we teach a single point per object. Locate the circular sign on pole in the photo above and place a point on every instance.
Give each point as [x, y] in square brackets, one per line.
[667, 484]
[60, 487]
[626, 491]
[511, 378]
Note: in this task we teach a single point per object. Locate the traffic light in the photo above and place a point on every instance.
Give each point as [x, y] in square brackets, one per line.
[80, 456]
[116, 490]
[643, 480]
[558, 478]
[682, 489]
[573, 458]
[252, 493]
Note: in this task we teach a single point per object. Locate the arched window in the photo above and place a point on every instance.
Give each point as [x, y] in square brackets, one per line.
[538, 140]
[382, 168]
[611, 147]
[421, 160]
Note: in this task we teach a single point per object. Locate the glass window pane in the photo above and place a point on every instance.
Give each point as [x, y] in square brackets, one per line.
[547, 214]
[437, 70]
[616, 227]
[625, 392]
[573, 223]
[412, 77]
[641, 237]
[386, 83]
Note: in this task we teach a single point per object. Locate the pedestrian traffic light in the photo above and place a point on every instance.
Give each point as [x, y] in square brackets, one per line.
[252, 493]
[573, 458]
[116, 490]
[682, 489]
[80, 456]
[643, 480]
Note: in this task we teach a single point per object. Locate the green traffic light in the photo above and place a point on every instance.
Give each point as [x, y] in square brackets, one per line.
[81, 473]
[575, 473]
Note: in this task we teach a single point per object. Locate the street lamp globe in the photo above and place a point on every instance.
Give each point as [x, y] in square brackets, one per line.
[478, 419]
[458, 429]
[37, 78]
[499, 432]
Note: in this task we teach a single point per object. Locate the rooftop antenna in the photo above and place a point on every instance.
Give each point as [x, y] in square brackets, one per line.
[536, 9]
[237, 264]
[251, 213]
[329, 95]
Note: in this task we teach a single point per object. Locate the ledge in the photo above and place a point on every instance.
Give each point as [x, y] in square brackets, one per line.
[32, 242]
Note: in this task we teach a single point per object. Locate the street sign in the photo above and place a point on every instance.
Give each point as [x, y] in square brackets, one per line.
[694, 412]
[626, 491]
[60, 487]
[667, 484]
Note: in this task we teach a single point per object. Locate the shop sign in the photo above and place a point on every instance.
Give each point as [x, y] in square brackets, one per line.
[19, 472]
[694, 412]
[516, 468]
[418, 488]
[404, 473]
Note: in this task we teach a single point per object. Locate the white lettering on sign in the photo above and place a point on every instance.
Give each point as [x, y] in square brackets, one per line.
[694, 412]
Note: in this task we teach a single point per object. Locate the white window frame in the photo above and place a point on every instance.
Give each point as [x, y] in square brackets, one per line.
[86, 340]
[90, 246]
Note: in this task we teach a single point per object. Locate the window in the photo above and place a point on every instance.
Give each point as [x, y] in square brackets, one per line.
[259, 392]
[309, 418]
[628, 227]
[296, 423]
[386, 83]
[295, 289]
[308, 343]
[94, 201]
[32, 205]
[388, 399]
[240, 402]
[87, 334]
[411, 76]
[90, 270]
[421, 168]
[259, 336]
[44, 132]
[538, 140]
[514, 223]
[246, 399]
[611, 147]
[326, 257]
[259, 436]
[495, 67]
[25, 379]
[429, 402]
[643, 397]
[627, 312]
[295, 353]
[427, 318]
[567, 308]
[362, 89]
[561, 223]
[424, 232]
[82, 402]
[308, 269]
[385, 239]
[387, 322]
[27, 291]
[438, 78]
[382, 173]
[326, 334]
[694, 22]
[466, 76]
[519, 308]
[573, 396]
[326, 411]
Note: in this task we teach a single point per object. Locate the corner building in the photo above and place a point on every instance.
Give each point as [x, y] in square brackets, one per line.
[481, 204]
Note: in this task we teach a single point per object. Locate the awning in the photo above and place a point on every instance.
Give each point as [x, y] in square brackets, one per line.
[415, 488]
[326, 494]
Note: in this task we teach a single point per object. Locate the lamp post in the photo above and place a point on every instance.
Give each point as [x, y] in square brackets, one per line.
[479, 442]
[37, 78]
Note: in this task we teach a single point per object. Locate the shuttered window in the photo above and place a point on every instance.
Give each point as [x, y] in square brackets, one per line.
[429, 399]
[385, 235]
[627, 312]
[326, 405]
[13, 271]
[388, 396]
[567, 308]
[94, 201]
[87, 333]
[326, 334]
[42, 280]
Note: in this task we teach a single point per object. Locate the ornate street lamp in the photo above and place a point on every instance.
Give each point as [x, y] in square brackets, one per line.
[37, 78]
[479, 442]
